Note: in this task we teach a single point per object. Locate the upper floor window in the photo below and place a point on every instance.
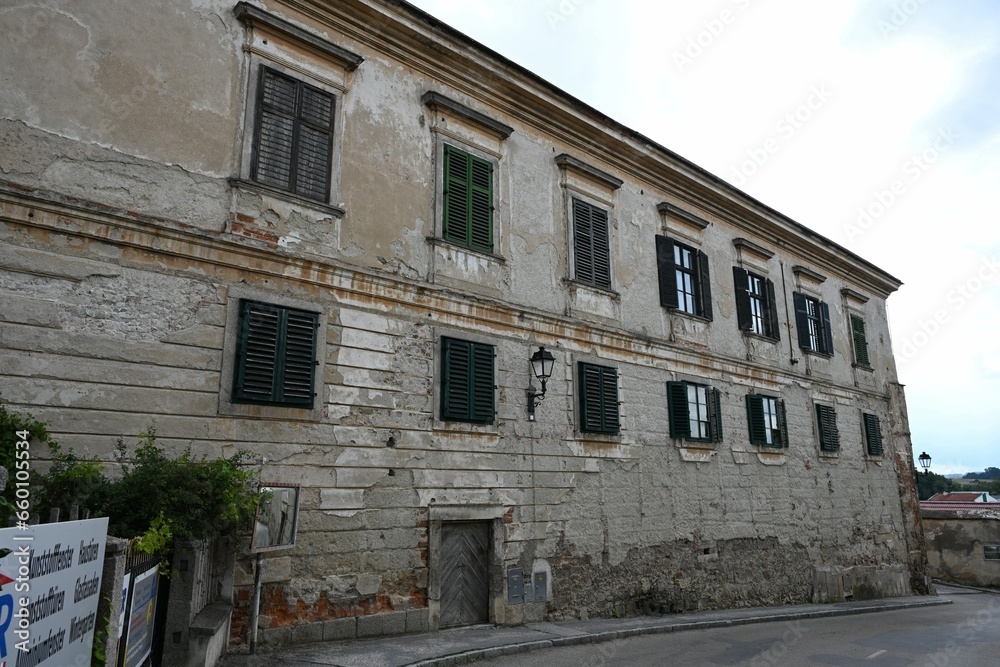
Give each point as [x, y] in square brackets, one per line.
[591, 245]
[695, 412]
[860, 339]
[812, 321]
[756, 310]
[467, 381]
[468, 200]
[275, 355]
[598, 399]
[292, 145]
[683, 277]
[766, 421]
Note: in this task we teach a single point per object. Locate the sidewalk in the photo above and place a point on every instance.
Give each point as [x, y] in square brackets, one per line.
[460, 645]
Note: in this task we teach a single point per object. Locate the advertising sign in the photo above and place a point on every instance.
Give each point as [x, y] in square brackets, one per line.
[50, 583]
[141, 615]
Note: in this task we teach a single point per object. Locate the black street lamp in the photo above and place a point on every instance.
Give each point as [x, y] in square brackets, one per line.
[541, 365]
[925, 461]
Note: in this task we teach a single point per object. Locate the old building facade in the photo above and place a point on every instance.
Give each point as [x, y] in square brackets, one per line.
[334, 233]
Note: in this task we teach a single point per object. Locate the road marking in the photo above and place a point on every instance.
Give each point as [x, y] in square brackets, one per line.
[875, 655]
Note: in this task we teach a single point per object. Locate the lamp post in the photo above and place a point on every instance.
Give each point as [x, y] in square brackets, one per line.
[541, 365]
[925, 461]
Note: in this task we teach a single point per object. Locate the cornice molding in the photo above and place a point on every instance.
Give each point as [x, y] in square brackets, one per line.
[434, 101]
[566, 161]
[224, 251]
[251, 15]
[666, 208]
[801, 271]
[742, 244]
[851, 295]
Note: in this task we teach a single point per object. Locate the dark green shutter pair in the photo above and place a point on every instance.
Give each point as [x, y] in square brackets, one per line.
[276, 356]
[860, 341]
[757, 426]
[468, 200]
[873, 433]
[744, 315]
[293, 136]
[829, 436]
[467, 387]
[680, 412]
[591, 245]
[825, 333]
[598, 399]
[667, 273]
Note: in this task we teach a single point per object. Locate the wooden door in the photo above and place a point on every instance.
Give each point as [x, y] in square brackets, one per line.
[465, 585]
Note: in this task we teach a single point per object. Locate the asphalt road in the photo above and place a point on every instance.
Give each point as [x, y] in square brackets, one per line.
[964, 634]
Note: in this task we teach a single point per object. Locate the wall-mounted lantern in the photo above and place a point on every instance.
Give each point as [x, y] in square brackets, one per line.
[925, 461]
[541, 365]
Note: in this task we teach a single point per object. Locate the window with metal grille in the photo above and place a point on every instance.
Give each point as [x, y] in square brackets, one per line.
[683, 278]
[756, 309]
[860, 341]
[695, 412]
[591, 245]
[766, 421]
[598, 399]
[812, 321]
[873, 433]
[467, 381]
[468, 200]
[292, 147]
[275, 356]
[829, 436]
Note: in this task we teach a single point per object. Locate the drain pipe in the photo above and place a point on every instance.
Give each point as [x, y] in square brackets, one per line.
[788, 319]
[255, 611]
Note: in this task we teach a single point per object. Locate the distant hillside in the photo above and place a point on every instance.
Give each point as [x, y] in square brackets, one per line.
[989, 473]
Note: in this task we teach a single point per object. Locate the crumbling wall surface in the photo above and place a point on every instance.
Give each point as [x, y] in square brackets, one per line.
[955, 544]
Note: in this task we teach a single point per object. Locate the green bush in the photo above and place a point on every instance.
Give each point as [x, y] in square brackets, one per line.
[156, 501]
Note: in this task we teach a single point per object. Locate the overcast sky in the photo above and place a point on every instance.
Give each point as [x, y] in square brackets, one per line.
[875, 123]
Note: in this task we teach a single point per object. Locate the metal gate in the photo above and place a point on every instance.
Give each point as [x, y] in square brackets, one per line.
[465, 587]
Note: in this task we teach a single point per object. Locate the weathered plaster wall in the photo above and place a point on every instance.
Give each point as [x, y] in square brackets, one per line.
[955, 547]
[122, 242]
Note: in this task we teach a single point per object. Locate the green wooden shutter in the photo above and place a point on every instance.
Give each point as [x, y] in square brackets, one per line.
[666, 271]
[783, 439]
[482, 383]
[467, 381]
[276, 355]
[704, 296]
[299, 361]
[827, 329]
[740, 282]
[456, 195]
[873, 434]
[468, 200]
[802, 319]
[756, 427]
[598, 399]
[609, 400]
[715, 414]
[829, 436]
[677, 407]
[481, 205]
[591, 245]
[771, 311]
[860, 341]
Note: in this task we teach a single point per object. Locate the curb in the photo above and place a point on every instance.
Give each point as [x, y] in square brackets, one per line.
[992, 591]
[675, 626]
